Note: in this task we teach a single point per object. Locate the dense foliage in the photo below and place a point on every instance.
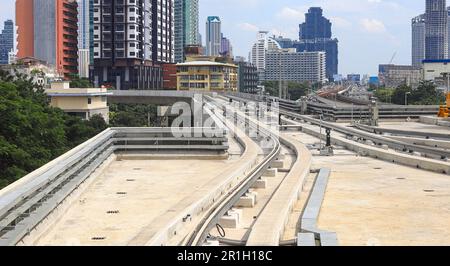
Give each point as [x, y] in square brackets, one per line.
[425, 94]
[132, 115]
[32, 133]
[77, 82]
[295, 90]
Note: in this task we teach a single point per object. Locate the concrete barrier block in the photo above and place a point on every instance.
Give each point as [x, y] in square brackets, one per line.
[211, 243]
[260, 183]
[246, 201]
[306, 240]
[329, 240]
[231, 220]
[278, 164]
[385, 147]
[253, 194]
[281, 156]
[271, 172]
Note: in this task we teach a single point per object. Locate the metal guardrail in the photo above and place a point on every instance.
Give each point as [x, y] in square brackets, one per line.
[398, 145]
[379, 130]
[344, 111]
[25, 205]
[394, 144]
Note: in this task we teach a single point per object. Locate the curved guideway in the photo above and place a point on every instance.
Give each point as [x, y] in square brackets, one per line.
[274, 210]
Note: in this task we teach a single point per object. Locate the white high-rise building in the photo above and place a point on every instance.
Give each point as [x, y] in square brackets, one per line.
[213, 36]
[260, 48]
[163, 20]
[290, 65]
[83, 62]
[84, 37]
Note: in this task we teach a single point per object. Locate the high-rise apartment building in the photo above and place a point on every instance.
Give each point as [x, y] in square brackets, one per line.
[131, 41]
[47, 30]
[85, 40]
[315, 35]
[290, 65]
[418, 26]
[247, 77]
[186, 26]
[213, 36]
[163, 38]
[260, 48]
[436, 33]
[6, 41]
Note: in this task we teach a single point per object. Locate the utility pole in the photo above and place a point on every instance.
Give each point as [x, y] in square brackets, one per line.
[406, 97]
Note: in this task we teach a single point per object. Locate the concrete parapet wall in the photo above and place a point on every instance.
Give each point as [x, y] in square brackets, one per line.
[432, 120]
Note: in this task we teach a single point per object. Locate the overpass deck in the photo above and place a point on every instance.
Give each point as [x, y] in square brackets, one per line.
[130, 196]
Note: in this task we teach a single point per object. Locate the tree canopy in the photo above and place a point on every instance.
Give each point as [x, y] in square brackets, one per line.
[33, 133]
[295, 90]
[425, 94]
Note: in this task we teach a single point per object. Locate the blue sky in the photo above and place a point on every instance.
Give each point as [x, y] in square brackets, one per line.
[369, 31]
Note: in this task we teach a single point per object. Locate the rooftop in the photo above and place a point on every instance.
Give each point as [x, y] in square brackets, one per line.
[205, 63]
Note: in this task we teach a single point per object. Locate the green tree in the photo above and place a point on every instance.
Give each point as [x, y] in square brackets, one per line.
[425, 94]
[295, 89]
[384, 94]
[77, 82]
[32, 133]
[398, 96]
[132, 115]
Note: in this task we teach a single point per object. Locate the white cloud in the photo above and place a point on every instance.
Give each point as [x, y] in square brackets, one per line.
[290, 13]
[248, 27]
[340, 22]
[372, 25]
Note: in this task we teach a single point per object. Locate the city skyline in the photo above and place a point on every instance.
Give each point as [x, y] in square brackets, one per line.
[364, 28]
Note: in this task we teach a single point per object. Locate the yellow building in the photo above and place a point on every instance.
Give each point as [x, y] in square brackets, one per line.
[80, 102]
[207, 76]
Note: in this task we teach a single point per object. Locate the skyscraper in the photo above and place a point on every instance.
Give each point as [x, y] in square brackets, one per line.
[226, 49]
[131, 41]
[25, 28]
[163, 38]
[436, 33]
[316, 26]
[213, 36]
[47, 30]
[6, 41]
[186, 26]
[315, 35]
[418, 26]
[260, 48]
[85, 40]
